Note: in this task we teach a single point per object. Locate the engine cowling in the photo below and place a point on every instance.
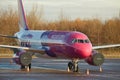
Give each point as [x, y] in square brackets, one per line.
[22, 58]
[96, 59]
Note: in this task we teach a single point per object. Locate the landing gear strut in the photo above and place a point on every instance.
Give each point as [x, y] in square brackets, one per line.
[73, 66]
[24, 67]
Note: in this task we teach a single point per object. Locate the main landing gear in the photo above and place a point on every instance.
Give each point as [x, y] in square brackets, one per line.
[26, 67]
[73, 66]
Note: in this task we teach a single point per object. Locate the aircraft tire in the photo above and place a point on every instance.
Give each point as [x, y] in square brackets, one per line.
[73, 66]
[23, 67]
[70, 66]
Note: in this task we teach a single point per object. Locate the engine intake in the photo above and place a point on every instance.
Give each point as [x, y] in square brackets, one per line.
[22, 58]
[95, 59]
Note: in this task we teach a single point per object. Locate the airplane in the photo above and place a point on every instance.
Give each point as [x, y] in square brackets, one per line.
[54, 44]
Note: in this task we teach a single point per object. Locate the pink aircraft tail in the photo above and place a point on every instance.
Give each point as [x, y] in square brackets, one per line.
[22, 18]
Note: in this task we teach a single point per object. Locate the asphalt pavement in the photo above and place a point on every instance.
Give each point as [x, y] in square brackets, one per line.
[56, 69]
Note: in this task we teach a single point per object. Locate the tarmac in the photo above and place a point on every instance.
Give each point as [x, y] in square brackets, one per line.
[56, 69]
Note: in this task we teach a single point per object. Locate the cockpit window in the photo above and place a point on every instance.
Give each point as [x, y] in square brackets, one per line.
[87, 41]
[80, 41]
[74, 40]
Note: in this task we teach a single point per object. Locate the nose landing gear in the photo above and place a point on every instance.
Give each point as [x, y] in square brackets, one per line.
[73, 66]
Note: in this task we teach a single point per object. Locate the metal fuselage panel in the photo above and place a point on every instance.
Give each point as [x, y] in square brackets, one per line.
[58, 44]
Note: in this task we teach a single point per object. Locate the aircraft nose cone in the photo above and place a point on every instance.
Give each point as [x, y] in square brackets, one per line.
[84, 52]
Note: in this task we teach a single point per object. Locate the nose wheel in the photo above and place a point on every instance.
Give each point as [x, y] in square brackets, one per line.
[73, 66]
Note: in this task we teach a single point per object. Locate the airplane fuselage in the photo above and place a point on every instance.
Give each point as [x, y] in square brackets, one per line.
[57, 44]
[71, 45]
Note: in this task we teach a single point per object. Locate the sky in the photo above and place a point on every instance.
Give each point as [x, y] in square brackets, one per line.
[71, 9]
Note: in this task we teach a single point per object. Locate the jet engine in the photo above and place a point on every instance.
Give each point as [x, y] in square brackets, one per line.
[95, 59]
[22, 58]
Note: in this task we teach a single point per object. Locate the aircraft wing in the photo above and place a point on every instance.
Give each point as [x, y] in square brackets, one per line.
[106, 46]
[24, 48]
[8, 36]
[39, 50]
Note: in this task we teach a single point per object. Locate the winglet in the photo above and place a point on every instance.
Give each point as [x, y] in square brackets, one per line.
[22, 18]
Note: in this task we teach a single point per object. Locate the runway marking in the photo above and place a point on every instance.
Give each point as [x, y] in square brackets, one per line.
[107, 76]
[91, 76]
[60, 60]
[52, 63]
[49, 68]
